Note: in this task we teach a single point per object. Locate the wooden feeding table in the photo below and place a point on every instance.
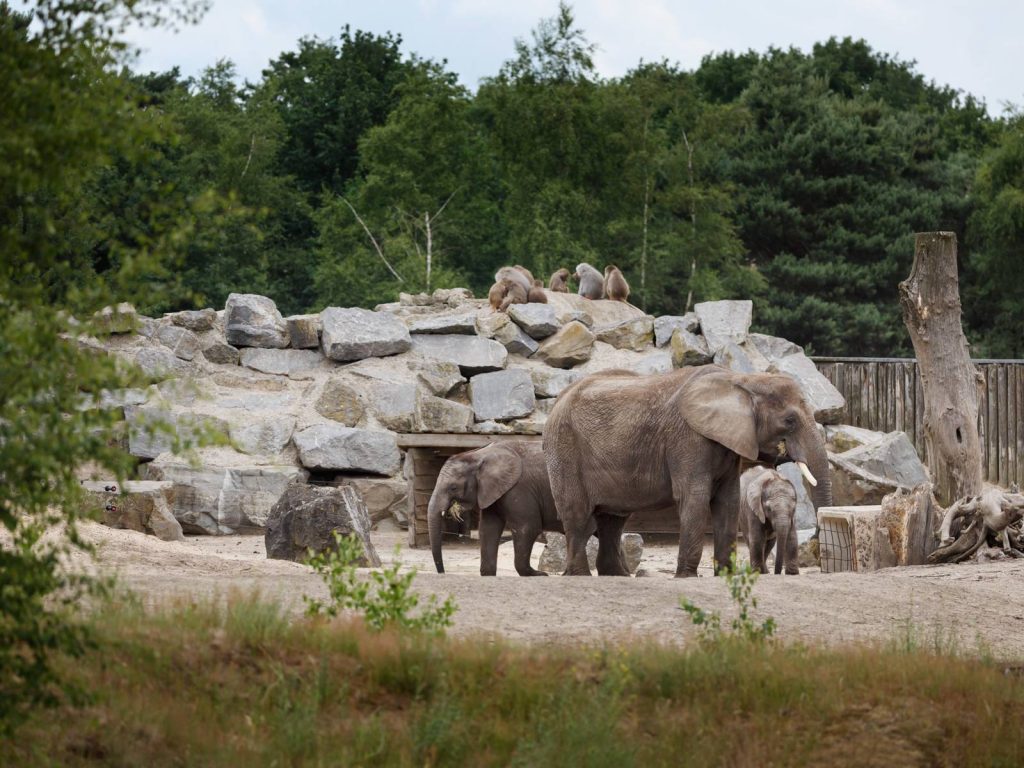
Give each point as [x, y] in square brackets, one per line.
[425, 454]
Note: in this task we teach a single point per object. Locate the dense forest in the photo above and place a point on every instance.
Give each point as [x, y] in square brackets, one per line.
[353, 170]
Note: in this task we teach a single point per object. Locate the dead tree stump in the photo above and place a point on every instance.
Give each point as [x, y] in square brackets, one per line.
[930, 298]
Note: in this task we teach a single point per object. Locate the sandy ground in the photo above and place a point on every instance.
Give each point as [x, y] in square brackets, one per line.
[977, 608]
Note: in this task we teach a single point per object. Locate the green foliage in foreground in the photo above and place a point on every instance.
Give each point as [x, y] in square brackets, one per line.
[385, 599]
[243, 684]
[740, 580]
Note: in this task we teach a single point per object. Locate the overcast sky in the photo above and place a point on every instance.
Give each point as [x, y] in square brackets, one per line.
[977, 47]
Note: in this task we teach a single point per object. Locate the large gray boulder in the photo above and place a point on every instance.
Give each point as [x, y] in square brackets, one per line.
[352, 333]
[307, 517]
[774, 348]
[636, 333]
[143, 506]
[181, 341]
[689, 349]
[826, 402]
[502, 395]
[221, 353]
[332, 446]
[499, 327]
[226, 493]
[571, 346]
[463, 322]
[196, 320]
[281, 362]
[666, 325]
[159, 362]
[724, 321]
[341, 402]
[253, 321]
[386, 498]
[471, 354]
[435, 414]
[261, 434]
[437, 377]
[394, 404]
[154, 429]
[550, 382]
[304, 331]
[864, 475]
[657, 362]
[537, 320]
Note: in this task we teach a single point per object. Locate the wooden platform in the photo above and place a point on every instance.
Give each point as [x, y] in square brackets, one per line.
[426, 454]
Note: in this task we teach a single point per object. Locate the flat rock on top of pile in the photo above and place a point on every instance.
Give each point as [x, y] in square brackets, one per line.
[471, 353]
[352, 333]
[251, 320]
[724, 321]
[601, 312]
[538, 320]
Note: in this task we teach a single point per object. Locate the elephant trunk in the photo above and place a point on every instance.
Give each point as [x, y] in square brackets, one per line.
[781, 540]
[817, 462]
[435, 510]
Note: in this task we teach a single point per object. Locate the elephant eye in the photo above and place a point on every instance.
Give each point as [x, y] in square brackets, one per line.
[790, 420]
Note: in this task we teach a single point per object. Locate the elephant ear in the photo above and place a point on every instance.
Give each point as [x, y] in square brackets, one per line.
[755, 492]
[716, 407]
[499, 470]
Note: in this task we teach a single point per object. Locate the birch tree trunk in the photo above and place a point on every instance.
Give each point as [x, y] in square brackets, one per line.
[930, 298]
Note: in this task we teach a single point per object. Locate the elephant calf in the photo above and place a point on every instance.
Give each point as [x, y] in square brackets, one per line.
[508, 483]
[767, 516]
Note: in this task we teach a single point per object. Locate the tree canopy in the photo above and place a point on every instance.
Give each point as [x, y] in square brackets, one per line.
[354, 169]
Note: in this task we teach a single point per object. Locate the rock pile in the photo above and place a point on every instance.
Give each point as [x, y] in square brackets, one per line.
[324, 396]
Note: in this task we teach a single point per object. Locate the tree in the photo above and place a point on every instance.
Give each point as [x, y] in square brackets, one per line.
[995, 298]
[66, 113]
[426, 188]
[849, 154]
[329, 94]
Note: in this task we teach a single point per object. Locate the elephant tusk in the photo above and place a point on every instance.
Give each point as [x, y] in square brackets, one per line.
[806, 473]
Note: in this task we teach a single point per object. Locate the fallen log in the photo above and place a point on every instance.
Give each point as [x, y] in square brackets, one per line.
[993, 518]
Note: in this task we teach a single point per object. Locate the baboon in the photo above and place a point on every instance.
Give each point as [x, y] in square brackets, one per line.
[615, 286]
[591, 281]
[537, 294]
[525, 271]
[517, 275]
[559, 280]
[506, 292]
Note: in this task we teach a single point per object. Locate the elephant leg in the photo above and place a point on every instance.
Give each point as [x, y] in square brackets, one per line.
[792, 552]
[693, 521]
[491, 526]
[523, 539]
[725, 509]
[610, 561]
[577, 520]
[756, 544]
[769, 547]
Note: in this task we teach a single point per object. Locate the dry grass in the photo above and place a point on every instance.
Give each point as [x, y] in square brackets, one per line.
[242, 685]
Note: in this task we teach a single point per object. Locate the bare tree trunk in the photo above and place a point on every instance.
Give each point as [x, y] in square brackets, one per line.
[430, 244]
[930, 298]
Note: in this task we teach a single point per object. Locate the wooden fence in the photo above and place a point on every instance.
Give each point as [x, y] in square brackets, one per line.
[885, 394]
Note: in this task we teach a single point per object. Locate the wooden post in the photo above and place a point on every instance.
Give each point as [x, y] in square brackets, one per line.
[930, 298]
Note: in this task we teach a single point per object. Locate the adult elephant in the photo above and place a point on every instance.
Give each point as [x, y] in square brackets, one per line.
[628, 443]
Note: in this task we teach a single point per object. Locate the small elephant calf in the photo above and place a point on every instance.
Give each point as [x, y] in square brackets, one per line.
[508, 483]
[767, 516]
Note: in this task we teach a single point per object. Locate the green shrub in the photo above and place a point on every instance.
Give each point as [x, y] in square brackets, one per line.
[384, 600]
[740, 581]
